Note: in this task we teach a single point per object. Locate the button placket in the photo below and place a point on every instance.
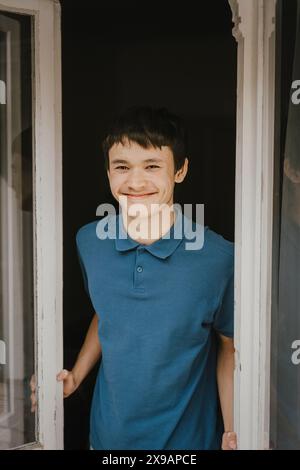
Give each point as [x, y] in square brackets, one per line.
[138, 282]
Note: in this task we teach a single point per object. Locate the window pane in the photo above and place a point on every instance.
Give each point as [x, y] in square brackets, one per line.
[285, 366]
[17, 423]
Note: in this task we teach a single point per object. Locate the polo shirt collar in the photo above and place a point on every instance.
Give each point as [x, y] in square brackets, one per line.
[161, 248]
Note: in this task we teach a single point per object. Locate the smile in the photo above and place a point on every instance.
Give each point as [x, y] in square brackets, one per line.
[138, 195]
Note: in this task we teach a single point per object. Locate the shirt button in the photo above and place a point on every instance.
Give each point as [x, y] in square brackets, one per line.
[139, 269]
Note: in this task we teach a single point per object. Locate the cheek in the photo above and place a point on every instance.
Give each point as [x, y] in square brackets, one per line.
[115, 182]
[166, 183]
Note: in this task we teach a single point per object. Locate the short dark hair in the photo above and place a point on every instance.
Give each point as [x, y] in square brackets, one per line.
[149, 127]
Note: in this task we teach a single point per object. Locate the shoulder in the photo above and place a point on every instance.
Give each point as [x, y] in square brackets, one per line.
[86, 233]
[211, 242]
[218, 243]
[95, 233]
[220, 253]
[212, 250]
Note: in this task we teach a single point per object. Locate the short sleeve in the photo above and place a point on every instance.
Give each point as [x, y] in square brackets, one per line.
[224, 317]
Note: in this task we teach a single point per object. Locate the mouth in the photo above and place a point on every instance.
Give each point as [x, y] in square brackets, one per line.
[135, 196]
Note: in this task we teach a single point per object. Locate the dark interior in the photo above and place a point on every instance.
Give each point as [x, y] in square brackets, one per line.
[118, 54]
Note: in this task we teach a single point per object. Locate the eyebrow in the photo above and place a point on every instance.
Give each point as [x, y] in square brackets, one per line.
[148, 160]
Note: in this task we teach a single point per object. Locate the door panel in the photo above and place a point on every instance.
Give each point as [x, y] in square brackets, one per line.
[285, 350]
[17, 423]
[30, 224]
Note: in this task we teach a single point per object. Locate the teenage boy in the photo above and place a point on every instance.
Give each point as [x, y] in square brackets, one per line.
[163, 322]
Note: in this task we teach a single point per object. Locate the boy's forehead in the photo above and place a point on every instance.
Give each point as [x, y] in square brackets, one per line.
[131, 149]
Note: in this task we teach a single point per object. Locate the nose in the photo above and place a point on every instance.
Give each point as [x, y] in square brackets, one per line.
[136, 181]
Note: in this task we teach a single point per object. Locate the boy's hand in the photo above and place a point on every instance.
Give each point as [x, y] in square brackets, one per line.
[69, 381]
[69, 386]
[229, 441]
[33, 395]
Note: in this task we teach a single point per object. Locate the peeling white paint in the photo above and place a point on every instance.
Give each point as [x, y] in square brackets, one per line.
[2, 352]
[2, 92]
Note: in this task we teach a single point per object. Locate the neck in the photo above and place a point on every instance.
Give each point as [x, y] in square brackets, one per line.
[147, 230]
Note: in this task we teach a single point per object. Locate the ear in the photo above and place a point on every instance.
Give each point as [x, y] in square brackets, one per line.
[290, 172]
[181, 173]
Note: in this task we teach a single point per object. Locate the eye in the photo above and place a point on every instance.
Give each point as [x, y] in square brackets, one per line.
[153, 166]
[121, 167]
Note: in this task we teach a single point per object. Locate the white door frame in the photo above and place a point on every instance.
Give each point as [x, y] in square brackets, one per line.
[48, 240]
[254, 31]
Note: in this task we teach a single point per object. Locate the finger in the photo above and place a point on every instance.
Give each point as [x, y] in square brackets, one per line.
[62, 375]
[225, 446]
[33, 398]
[231, 439]
[224, 443]
[33, 402]
[32, 383]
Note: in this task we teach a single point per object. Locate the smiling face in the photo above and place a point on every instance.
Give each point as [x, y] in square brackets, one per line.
[143, 175]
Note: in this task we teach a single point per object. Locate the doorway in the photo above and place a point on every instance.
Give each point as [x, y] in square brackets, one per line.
[117, 55]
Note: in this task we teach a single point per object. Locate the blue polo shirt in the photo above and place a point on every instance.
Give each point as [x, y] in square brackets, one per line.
[159, 307]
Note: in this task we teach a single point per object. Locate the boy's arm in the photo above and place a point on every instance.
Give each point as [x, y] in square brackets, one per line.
[89, 353]
[225, 369]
